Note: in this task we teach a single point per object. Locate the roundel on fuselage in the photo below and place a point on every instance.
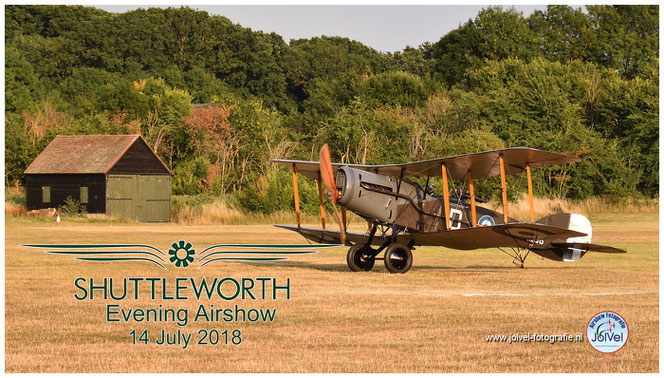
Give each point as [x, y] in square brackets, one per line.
[486, 220]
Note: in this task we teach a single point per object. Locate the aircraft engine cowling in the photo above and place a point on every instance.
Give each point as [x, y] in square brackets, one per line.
[353, 186]
[570, 249]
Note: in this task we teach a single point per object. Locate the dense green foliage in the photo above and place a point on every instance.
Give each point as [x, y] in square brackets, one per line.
[565, 80]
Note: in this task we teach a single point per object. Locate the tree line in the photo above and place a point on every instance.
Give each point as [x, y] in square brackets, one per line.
[216, 100]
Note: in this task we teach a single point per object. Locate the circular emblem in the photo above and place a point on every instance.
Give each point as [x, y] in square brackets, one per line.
[181, 254]
[486, 220]
[607, 332]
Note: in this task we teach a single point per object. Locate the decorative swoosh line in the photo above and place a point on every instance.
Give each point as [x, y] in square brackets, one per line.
[243, 259]
[303, 249]
[119, 259]
[105, 253]
[94, 258]
[206, 257]
[268, 246]
[84, 246]
[80, 252]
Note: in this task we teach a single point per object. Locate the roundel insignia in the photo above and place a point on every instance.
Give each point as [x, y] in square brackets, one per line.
[486, 220]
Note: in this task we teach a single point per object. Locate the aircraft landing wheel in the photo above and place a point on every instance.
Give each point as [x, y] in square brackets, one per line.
[398, 258]
[357, 260]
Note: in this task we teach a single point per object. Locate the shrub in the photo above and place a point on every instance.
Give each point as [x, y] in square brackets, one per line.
[273, 192]
[72, 207]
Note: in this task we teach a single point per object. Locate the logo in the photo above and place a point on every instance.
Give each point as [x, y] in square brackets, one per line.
[486, 220]
[181, 254]
[607, 332]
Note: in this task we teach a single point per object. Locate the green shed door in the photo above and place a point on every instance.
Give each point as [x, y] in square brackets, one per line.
[121, 196]
[146, 198]
[154, 193]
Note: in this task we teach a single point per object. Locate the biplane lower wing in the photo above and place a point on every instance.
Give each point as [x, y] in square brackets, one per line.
[516, 235]
[331, 236]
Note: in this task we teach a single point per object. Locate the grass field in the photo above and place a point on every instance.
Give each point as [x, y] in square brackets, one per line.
[433, 319]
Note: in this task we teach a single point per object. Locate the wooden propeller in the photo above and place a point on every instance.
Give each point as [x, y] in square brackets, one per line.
[327, 175]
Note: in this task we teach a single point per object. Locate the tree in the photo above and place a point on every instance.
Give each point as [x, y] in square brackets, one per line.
[413, 61]
[208, 130]
[566, 33]
[627, 36]
[396, 88]
[495, 34]
[627, 111]
[584, 83]
[22, 85]
[542, 104]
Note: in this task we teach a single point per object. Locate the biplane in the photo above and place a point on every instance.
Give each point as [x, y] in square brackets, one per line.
[401, 214]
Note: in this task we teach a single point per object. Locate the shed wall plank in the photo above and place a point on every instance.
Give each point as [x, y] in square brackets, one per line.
[63, 186]
[139, 160]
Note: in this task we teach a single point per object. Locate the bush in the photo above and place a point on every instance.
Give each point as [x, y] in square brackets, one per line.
[196, 202]
[15, 194]
[72, 207]
[189, 177]
[273, 192]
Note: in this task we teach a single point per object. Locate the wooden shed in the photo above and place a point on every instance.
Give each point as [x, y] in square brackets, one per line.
[118, 175]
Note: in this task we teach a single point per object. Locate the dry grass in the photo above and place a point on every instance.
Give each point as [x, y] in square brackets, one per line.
[218, 212]
[338, 321]
[15, 200]
[14, 209]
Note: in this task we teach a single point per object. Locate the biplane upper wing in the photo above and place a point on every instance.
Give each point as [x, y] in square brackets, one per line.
[481, 164]
[510, 235]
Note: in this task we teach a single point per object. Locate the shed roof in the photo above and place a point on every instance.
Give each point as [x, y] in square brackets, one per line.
[80, 154]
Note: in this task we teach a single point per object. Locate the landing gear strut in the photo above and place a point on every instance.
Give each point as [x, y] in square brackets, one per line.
[518, 254]
[398, 257]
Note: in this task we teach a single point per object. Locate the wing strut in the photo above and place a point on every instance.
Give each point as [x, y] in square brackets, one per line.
[471, 189]
[503, 187]
[446, 196]
[530, 193]
[320, 201]
[297, 197]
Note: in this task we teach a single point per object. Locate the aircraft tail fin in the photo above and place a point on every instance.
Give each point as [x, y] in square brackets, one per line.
[575, 222]
[573, 248]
